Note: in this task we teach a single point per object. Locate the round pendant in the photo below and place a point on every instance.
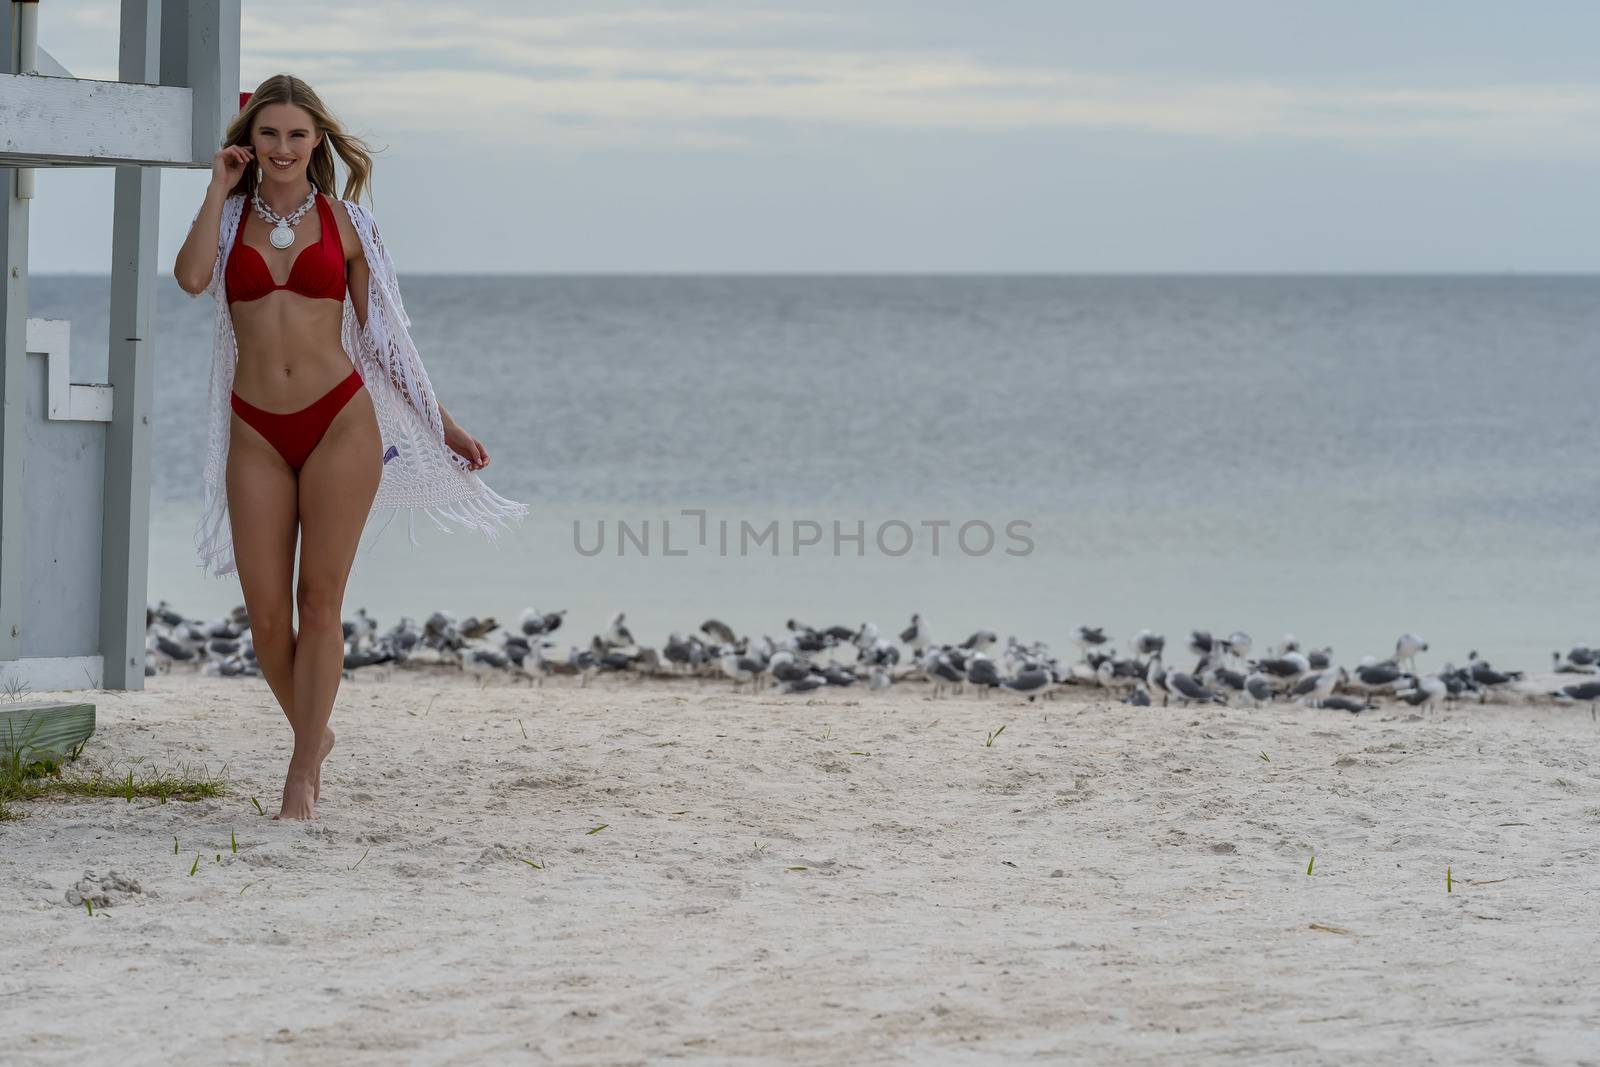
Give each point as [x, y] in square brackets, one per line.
[281, 236]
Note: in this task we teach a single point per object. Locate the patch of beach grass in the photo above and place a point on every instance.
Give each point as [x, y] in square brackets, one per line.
[47, 778]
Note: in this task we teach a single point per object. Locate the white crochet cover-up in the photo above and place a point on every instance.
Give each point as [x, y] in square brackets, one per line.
[420, 472]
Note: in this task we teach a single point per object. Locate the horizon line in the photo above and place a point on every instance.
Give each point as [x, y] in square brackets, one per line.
[874, 273]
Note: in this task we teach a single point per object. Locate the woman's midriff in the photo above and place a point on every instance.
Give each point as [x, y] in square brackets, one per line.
[290, 352]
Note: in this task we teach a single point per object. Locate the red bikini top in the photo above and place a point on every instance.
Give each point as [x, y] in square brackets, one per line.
[318, 271]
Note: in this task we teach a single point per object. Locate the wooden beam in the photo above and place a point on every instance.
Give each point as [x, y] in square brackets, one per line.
[44, 728]
[46, 120]
[125, 522]
[13, 405]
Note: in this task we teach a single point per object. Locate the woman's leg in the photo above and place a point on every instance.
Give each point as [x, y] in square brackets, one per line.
[264, 509]
[337, 486]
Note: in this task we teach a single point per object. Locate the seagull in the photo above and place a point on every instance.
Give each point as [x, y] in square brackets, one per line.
[1580, 660]
[865, 638]
[1147, 643]
[583, 661]
[1315, 687]
[1223, 678]
[166, 651]
[1581, 692]
[1156, 678]
[719, 632]
[539, 623]
[981, 671]
[1289, 666]
[617, 635]
[1034, 683]
[684, 654]
[742, 668]
[834, 674]
[1259, 688]
[1428, 691]
[1487, 676]
[1185, 688]
[787, 667]
[1406, 649]
[916, 635]
[939, 667]
[1087, 637]
[1237, 645]
[361, 629]
[981, 641]
[1372, 677]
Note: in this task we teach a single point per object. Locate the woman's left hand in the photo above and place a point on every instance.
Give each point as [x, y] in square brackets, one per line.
[466, 446]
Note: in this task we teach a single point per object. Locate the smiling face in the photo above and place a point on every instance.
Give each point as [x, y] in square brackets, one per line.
[283, 138]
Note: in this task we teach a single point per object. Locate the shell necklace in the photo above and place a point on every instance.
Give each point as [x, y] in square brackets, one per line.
[282, 236]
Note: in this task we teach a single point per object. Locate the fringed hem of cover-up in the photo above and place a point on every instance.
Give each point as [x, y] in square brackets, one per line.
[488, 513]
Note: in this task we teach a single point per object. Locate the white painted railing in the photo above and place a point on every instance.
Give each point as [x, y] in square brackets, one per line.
[66, 400]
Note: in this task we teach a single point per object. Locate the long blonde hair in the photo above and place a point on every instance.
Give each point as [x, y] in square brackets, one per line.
[287, 89]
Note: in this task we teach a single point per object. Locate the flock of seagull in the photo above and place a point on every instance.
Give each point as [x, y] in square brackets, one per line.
[809, 658]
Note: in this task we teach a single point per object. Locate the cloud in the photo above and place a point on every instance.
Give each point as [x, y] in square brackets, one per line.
[711, 77]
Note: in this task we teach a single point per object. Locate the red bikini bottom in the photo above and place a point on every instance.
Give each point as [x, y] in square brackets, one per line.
[295, 433]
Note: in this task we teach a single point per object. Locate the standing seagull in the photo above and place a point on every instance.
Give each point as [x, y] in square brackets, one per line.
[1316, 687]
[1406, 650]
[1582, 692]
[1428, 692]
[617, 635]
[916, 635]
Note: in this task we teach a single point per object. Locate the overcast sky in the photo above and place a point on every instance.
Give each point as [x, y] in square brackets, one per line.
[1010, 135]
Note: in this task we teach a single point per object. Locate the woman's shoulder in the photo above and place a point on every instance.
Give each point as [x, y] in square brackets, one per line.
[353, 208]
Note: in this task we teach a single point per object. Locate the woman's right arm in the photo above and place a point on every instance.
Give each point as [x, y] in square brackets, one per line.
[197, 259]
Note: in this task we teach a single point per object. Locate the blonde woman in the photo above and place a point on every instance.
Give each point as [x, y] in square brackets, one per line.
[320, 410]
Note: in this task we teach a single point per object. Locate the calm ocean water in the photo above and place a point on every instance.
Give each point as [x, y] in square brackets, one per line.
[1340, 457]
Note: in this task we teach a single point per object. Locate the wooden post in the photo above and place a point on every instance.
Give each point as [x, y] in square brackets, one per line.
[13, 346]
[125, 531]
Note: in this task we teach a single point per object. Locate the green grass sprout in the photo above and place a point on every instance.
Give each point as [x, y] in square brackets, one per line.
[259, 809]
[597, 829]
[1312, 863]
[196, 865]
[47, 778]
[990, 742]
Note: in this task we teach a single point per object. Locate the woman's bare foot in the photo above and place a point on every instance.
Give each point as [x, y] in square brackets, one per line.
[327, 747]
[299, 795]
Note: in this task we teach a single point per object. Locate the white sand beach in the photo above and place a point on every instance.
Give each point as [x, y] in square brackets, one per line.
[850, 878]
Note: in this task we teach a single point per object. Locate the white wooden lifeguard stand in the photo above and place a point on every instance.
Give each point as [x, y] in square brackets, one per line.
[75, 457]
